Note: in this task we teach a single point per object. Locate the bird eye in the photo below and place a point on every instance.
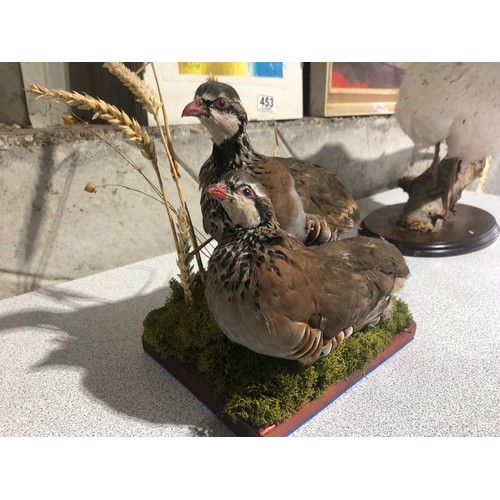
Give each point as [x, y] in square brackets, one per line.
[221, 103]
[246, 191]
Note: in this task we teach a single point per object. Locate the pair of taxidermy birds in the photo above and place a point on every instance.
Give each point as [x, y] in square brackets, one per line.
[280, 282]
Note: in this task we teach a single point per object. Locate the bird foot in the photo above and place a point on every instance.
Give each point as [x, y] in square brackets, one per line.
[317, 230]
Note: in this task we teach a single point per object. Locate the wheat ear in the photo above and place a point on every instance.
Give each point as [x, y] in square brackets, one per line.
[184, 257]
[169, 148]
[147, 98]
[136, 85]
[129, 126]
[119, 119]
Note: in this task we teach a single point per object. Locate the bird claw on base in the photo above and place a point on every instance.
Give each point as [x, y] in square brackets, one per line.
[421, 222]
[318, 231]
[429, 205]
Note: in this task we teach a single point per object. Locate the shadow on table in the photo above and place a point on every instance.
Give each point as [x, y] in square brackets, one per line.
[105, 339]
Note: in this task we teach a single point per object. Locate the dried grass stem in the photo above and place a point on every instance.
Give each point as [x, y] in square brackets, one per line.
[119, 119]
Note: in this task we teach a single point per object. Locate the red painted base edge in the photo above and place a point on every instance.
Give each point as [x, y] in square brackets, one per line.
[195, 383]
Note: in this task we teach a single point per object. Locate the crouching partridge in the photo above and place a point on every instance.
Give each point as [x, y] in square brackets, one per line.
[310, 201]
[272, 294]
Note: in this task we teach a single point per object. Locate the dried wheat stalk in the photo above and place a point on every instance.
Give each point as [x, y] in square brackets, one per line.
[184, 257]
[129, 126]
[276, 138]
[174, 168]
[138, 87]
[200, 247]
[117, 150]
[148, 99]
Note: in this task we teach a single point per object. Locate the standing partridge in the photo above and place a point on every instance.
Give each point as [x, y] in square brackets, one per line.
[453, 103]
[310, 202]
[269, 292]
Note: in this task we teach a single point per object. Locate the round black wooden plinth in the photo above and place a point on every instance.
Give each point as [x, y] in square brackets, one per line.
[468, 230]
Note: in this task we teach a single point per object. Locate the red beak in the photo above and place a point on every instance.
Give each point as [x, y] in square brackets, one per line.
[195, 108]
[217, 190]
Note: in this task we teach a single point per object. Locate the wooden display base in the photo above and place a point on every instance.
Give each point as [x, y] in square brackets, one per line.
[195, 383]
[468, 230]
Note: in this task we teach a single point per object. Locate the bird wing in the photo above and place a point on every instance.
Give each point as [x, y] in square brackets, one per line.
[296, 298]
[290, 289]
[288, 206]
[322, 193]
[289, 280]
[358, 277]
[265, 309]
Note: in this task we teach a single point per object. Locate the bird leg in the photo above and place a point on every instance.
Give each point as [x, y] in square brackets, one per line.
[434, 164]
[428, 206]
[448, 196]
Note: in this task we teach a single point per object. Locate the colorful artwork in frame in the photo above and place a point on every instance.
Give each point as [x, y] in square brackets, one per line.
[255, 69]
[367, 75]
[268, 90]
[354, 88]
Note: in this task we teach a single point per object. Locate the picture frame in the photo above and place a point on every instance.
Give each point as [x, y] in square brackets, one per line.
[350, 89]
[279, 83]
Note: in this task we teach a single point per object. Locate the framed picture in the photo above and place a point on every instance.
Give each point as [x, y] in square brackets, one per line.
[268, 90]
[346, 88]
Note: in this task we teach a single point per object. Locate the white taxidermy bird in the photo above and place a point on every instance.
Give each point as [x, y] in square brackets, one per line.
[457, 104]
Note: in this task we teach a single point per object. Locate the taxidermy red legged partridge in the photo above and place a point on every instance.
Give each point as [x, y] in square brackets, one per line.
[269, 292]
[310, 201]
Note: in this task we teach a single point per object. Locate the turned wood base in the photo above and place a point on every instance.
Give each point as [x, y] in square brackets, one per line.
[467, 230]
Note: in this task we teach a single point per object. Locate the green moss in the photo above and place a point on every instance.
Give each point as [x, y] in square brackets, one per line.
[257, 388]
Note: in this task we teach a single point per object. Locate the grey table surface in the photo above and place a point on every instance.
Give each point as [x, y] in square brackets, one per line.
[72, 363]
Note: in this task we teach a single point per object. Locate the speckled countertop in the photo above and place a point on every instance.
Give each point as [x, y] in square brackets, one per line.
[72, 363]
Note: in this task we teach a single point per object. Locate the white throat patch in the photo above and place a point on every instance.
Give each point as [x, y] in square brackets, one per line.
[221, 126]
[242, 212]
